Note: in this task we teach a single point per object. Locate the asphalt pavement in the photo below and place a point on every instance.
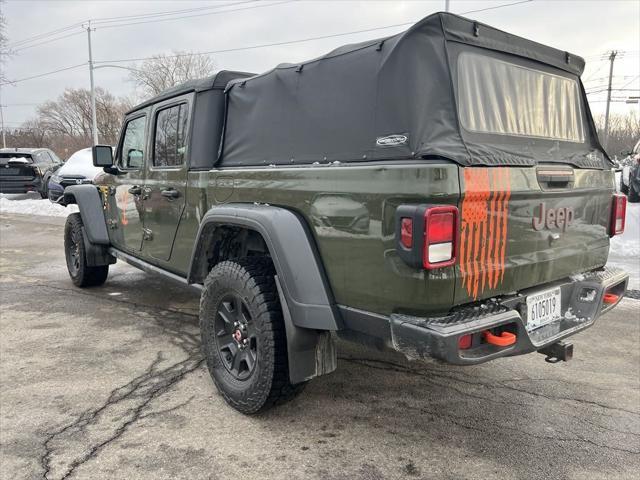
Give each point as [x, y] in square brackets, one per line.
[109, 382]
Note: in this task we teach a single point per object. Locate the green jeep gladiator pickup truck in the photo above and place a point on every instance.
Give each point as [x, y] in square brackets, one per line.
[441, 192]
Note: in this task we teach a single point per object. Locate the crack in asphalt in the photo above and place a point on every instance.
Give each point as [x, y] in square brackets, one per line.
[155, 382]
[140, 391]
[392, 366]
[387, 365]
[126, 404]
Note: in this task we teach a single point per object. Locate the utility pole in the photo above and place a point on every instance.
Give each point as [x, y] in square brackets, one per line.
[94, 122]
[4, 139]
[446, 5]
[612, 57]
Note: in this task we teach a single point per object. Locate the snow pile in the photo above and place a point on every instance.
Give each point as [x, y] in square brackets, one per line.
[625, 249]
[33, 205]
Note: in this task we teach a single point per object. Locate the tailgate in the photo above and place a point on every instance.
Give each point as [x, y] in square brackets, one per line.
[525, 226]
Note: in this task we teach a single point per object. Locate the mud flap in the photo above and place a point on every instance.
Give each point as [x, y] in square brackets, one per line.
[310, 352]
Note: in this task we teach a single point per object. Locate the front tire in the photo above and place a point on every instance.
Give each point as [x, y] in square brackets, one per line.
[44, 193]
[243, 336]
[623, 188]
[81, 274]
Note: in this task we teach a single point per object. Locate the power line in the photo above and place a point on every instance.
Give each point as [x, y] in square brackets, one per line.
[48, 41]
[195, 15]
[19, 43]
[631, 81]
[10, 82]
[291, 42]
[170, 12]
[27, 40]
[251, 47]
[497, 6]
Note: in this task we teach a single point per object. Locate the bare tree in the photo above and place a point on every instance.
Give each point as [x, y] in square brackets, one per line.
[162, 71]
[624, 132]
[70, 115]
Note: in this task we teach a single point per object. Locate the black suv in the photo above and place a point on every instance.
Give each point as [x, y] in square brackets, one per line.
[25, 170]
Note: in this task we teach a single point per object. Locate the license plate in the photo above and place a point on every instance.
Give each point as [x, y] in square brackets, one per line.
[543, 308]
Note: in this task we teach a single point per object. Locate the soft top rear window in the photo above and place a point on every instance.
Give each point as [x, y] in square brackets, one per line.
[502, 98]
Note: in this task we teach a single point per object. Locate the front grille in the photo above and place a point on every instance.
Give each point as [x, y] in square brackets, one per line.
[67, 182]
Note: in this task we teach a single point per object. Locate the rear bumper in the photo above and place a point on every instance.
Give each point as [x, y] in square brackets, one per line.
[439, 337]
[20, 184]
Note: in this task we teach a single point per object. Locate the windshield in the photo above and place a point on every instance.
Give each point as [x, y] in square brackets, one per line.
[503, 98]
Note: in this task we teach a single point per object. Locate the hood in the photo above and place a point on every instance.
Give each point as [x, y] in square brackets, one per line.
[80, 164]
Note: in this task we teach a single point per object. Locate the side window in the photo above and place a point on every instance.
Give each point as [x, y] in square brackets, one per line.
[132, 151]
[54, 157]
[42, 157]
[169, 146]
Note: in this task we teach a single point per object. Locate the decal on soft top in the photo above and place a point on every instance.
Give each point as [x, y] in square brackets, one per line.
[483, 232]
[392, 140]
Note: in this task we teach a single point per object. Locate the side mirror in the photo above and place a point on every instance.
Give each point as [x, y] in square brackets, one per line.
[102, 155]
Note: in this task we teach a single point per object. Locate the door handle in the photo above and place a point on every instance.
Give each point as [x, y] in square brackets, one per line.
[170, 193]
[135, 190]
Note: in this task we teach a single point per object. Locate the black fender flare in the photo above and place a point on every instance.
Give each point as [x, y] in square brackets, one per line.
[89, 203]
[294, 254]
[309, 312]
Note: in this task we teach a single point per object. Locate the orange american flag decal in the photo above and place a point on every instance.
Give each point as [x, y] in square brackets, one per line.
[483, 231]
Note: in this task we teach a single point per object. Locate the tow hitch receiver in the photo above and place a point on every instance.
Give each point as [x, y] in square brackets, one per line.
[556, 352]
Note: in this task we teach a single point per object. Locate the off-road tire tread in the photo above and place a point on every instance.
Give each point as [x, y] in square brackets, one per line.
[87, 276]
[257, 275]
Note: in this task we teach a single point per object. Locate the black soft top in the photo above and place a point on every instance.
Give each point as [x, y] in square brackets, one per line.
[392, 98]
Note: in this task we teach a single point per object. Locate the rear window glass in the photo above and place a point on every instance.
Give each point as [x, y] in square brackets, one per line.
[503, 98]
[15, 155]
[170, 136]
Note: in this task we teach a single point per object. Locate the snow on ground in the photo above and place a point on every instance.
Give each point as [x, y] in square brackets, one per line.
[33, 204]
[624, 253]
[625, 248]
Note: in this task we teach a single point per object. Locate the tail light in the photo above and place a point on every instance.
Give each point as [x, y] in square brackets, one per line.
[618, 213]
[440, 228]
[427, 235]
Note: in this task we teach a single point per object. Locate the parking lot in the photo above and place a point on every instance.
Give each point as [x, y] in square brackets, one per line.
[109, 382]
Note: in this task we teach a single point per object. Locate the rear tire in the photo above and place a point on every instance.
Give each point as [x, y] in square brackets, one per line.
[633, 195]
[243, 335]
[81, 274]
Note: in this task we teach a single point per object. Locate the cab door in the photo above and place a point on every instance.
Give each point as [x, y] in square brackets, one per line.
[166, 176]
[124, 208]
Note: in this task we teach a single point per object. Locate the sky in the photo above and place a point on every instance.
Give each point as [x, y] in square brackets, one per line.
[588, 28]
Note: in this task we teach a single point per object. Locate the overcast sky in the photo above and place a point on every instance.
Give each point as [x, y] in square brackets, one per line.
[587, 28]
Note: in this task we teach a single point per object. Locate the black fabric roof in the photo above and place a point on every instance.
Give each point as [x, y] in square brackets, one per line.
[217, 81]
[359, 101]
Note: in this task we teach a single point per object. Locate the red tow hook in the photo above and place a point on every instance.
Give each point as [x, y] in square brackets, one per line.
[503, 340]
[610, 298]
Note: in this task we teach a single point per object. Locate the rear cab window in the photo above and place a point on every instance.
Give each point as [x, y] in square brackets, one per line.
[170, 132]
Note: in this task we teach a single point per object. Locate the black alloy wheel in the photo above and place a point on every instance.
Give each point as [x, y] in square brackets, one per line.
[236, 336]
